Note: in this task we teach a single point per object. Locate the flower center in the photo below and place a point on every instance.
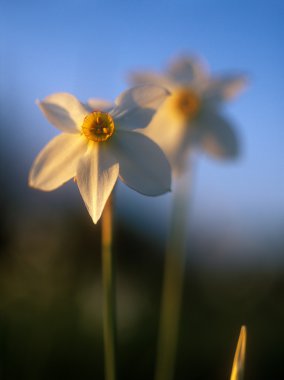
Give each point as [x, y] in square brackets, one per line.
[187, 103]
[98, 126]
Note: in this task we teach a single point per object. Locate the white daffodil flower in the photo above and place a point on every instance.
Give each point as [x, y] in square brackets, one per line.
[191, 116]
[98, 145]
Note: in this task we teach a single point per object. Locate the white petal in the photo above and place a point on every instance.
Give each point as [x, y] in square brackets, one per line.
[152, 78]
[96, 176]
[172, 135]
[100, 105]
[209, 132]
[136, 107]
[148, 96]
[188, 70]
[57, 162]
[64, 111]
[142, 164]
[226, 87]
[216, 135]
[136, 119]
[166, 129]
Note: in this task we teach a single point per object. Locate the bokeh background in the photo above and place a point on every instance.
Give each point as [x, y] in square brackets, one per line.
[50, 266]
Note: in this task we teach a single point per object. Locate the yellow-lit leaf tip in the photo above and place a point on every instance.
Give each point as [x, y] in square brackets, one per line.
[239, 359]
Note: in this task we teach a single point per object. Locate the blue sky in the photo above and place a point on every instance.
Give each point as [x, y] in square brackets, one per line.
[87, 48]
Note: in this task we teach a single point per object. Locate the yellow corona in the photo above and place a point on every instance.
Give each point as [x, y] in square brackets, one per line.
[98, 126]
[186, 102]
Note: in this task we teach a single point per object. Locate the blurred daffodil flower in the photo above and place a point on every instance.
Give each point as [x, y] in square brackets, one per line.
[98, 143]
[191, 117]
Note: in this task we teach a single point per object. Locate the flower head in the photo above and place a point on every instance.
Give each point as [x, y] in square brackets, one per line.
[98, 143]
[191, 116]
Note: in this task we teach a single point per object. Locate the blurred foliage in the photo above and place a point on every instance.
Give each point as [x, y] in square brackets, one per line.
[50, 311]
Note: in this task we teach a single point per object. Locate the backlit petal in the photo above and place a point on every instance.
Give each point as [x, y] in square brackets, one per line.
[152, 78]
[209, 132]
[143, 165]
[226, 87]
[216, 135]
[96, 176]
[100, 105]
[57, 162]
[166, 130]
[136, 107]
[188, 70]
[64, 111]
[136, 119]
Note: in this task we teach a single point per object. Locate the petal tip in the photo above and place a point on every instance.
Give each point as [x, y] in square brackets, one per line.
[31, 181]
[30, 184]
[37, 186]
[94, 215]
[95, 220]
[168, 92]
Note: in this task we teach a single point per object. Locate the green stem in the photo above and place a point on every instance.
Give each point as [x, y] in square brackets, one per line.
[173, 283]
[109, 307]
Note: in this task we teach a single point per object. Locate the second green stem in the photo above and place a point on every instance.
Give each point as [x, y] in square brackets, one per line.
[173, 284]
